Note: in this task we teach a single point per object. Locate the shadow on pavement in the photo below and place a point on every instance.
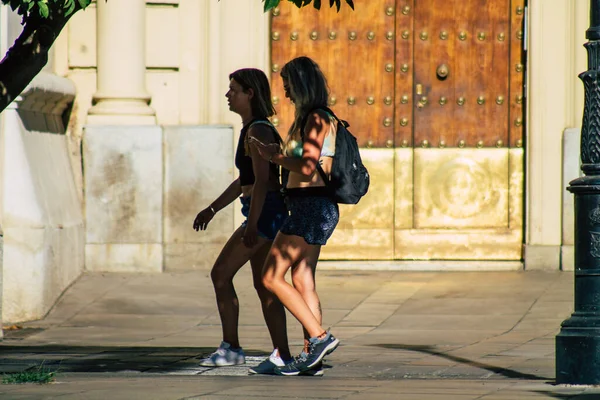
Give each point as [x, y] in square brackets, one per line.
[65, 358]
[564, 396]
[506, 372]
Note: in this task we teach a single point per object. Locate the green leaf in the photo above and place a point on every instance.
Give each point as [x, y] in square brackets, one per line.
[14, 4]
[43, 7]
[269, 4]
[350, 3]
[70, 7]
[84, 3]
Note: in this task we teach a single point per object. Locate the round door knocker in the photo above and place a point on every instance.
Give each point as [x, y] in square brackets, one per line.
[442, 71]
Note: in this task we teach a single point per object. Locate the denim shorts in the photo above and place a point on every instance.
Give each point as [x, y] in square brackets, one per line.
[313, 218]
[272, 216]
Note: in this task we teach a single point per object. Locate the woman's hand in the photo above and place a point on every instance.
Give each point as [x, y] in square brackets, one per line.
[203, 218]
[266, 151]
[250, 237]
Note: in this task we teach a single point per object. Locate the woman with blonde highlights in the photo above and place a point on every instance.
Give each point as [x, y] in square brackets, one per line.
[310, 146]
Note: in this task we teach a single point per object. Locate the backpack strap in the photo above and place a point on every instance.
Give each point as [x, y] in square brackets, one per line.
[261, 122]
[270, 125]
[323, 174]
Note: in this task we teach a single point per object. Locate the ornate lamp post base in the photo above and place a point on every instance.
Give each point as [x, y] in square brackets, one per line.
[578, 343]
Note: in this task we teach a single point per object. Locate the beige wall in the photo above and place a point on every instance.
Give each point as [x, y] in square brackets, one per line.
[555, 102]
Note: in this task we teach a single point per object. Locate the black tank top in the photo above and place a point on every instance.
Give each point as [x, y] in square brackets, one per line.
[243, 162]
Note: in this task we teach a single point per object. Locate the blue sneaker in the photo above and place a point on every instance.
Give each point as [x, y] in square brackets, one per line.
[291, 368]
[267, 367]
[317, 349]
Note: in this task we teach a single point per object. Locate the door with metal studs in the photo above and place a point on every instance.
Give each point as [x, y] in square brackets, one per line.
[433, 91]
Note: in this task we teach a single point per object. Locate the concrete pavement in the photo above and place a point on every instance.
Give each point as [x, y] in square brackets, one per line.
[405, 335]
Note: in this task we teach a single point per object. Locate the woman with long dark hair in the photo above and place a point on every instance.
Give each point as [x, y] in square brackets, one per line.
[258, 187]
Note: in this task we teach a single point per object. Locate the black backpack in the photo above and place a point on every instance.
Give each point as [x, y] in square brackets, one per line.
[349, 177]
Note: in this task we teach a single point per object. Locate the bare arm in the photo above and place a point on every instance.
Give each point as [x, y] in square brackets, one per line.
[232, 192]
[228, 196]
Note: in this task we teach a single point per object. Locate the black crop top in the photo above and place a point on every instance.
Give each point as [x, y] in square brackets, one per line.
[243, 162]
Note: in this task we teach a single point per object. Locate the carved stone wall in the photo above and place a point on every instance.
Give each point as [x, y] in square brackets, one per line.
[42, 218]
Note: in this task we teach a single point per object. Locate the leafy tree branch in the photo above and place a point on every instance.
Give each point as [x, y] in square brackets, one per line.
[42, 20]
[270, 4]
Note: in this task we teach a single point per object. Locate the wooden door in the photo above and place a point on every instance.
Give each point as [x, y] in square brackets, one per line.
[433, 92]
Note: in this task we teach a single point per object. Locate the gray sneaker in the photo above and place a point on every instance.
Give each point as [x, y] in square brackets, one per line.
[267, 367]
[224, 356]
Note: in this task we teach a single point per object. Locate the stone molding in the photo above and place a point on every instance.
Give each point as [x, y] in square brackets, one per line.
[45, 104]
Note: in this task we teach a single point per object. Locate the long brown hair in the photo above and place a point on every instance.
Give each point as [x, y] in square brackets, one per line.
[255, 79]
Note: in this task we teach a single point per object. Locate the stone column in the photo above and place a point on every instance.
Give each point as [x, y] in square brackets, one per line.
[121, 96]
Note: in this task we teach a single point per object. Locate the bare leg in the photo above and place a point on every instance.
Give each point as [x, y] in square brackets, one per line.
[233, 256]
[272, 309]
[303, 278]
[288, 250]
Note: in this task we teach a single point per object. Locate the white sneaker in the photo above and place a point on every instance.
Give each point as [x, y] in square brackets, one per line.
[224, 356]
[267, 367]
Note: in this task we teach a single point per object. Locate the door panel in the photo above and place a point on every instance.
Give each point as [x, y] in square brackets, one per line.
[403, 188]
[403, 120]
[367, 229]
[516, 70]
[461, 69]
[456, 188]
[500, 243]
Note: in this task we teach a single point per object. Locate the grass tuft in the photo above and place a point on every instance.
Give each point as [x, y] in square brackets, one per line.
[41, 376]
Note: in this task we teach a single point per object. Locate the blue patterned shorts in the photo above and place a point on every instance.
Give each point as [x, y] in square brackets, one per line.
[313, 218]
[272, 216]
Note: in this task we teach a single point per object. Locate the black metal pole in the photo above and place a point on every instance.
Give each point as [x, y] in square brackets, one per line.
[578, 343]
